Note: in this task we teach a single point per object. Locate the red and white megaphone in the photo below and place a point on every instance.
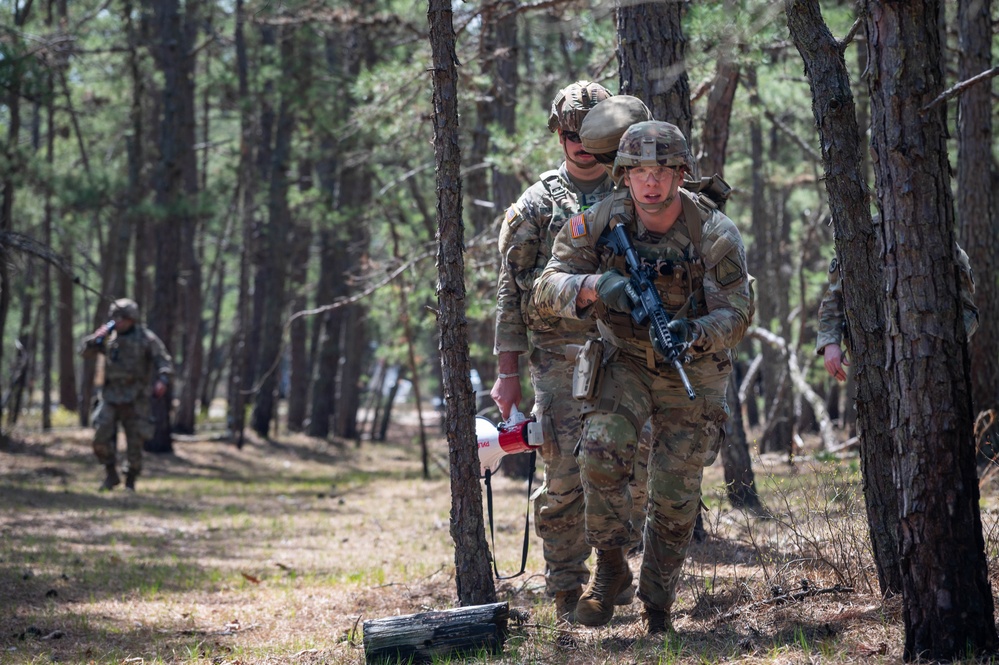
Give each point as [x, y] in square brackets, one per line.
[518, 434]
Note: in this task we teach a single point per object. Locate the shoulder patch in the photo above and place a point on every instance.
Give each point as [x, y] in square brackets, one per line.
[727, 271]
[577, 226]
[513, 217]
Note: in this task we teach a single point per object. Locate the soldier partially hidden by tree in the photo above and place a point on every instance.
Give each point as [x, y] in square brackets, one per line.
[832, 331]
[133, 356]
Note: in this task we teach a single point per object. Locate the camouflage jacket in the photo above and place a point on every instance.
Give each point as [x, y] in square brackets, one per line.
[525, 244]
[832, 311]
[131, 361]
[706, 281]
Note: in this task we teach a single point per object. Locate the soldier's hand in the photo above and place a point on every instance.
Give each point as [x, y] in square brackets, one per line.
[612, 290]
[102, 332]
[835, 362]
[506, 393]
[683, 331]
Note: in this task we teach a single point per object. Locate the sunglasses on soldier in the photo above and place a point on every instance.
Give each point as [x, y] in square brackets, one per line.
[571, 136]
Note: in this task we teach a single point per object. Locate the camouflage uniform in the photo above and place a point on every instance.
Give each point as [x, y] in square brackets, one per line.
[525, 242]
[132, 360]
[703, 278]
[832, 312]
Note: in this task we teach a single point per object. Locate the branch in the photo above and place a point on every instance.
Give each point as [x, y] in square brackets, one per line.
[806, 591]
[958, 88]
[798, 378]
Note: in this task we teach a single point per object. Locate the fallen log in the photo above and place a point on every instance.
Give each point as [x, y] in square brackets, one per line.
[423, 637]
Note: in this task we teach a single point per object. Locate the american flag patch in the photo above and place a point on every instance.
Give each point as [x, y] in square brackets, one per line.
[511, 212]
[577, 226]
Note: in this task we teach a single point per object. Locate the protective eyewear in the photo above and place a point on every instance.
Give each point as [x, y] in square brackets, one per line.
[571, 136]
[657, 173]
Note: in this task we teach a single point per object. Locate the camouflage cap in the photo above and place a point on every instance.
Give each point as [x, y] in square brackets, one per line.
[124, 308]
[601, 129]
[572, 103]
[652, 143]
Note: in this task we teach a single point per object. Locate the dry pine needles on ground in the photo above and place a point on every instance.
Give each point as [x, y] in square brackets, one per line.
[279, 551]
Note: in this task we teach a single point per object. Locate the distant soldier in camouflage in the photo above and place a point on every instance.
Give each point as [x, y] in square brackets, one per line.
[832, 315]
[525, 241]
[704, 286]
[134, 355]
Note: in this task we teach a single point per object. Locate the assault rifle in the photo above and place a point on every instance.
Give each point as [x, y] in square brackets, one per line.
[648, 305]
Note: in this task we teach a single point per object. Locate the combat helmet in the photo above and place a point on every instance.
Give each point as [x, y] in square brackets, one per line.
[601, 129]
[572, 103]
[124, 308]
[652, 143]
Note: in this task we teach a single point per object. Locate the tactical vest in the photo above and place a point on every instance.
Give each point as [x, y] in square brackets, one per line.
[679, 266]
[564, 200]
[127, 366]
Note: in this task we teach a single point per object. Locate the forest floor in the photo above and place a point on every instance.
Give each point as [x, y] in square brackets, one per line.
[279, 552]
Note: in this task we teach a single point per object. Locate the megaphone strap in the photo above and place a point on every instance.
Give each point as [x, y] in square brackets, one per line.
[527, 519]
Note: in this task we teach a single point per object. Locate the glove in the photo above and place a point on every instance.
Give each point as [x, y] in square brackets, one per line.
[684, 334]
[612, 291]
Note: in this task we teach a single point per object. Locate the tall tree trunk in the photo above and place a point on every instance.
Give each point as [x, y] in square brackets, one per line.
[176, 189]
[975, 215]
[239, 353]
[651, 54]
[740, 483]
[473, 577]
[298, 387]
[858, 246]
[276, 240]
[948, 608]
[328, 351]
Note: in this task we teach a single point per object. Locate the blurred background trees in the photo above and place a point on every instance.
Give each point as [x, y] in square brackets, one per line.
[229, 165]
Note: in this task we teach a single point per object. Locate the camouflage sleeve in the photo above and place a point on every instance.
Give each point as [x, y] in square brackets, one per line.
[90, 347]
[726, 287]
[162, 362]
[832, 317]
[969, 310]
[519, 241]
[571, 262]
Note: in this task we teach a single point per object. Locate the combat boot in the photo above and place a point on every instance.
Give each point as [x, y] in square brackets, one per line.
[565, 604]
[111, 480]
[596, 605]
[130, 480]
[656, 621]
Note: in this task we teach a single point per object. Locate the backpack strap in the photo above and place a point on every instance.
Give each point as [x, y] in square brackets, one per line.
[559, 190]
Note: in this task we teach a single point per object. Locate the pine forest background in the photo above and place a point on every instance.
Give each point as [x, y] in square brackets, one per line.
[260, 177]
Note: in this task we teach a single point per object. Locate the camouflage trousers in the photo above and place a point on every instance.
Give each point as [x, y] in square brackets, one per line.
[559, 504]
[685, 437]
[135, 420]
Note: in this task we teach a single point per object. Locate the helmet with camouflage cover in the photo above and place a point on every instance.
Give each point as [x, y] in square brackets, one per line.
[601, 129]
[124, 308]
[652, 143]
[572, 103]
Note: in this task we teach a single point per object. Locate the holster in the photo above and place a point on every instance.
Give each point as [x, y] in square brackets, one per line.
[587, 371]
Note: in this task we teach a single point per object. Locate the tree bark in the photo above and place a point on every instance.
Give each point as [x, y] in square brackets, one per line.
[472, 574]
[651, 56]
[276, 240]
[975, 215]
[948, 608]
[858, 247]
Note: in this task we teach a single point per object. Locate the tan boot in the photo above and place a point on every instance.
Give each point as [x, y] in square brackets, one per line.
[111, 479]
[656, 621]
[596, 605]
[626, 597]
[565, 604]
